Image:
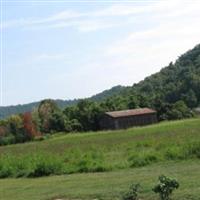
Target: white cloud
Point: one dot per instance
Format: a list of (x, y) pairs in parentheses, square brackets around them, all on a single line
[(98, 19)]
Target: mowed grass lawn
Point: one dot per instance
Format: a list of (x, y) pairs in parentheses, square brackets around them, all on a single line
[(137, 155), (105, 185)]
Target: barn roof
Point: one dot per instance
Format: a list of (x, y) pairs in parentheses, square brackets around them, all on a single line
[(132, 112)]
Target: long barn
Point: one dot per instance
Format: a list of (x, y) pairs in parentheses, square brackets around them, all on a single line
[(128, 118)]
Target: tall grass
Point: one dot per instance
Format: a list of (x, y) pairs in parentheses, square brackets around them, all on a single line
[(40, 164), (44, 164)]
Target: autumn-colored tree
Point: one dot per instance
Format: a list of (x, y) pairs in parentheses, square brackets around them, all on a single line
[(29, 127)]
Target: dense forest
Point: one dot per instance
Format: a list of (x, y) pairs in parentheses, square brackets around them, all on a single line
[(174, 92)]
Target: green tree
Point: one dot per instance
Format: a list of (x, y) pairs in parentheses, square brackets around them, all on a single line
[(57, 121), (16, 128), (132, 102), (190, 99), (179, 110), (46, 110)]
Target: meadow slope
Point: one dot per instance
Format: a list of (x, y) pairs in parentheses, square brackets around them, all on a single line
[(120, 157), (103, 151)]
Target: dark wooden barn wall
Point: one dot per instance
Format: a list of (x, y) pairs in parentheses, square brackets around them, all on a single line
[(128, 121)]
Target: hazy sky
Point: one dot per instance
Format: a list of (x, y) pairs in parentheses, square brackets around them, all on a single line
[(70, 49)]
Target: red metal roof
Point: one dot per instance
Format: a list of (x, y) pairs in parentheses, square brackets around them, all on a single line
[(132, 112)]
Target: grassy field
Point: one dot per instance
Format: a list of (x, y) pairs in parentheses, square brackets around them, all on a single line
[(120, 157), (105, 185), (103, 151)]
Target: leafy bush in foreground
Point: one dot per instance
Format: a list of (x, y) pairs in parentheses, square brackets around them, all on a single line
[(165, 187), (132, 194)]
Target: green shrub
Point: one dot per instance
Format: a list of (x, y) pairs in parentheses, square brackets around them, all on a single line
[(140, 160), (174, 153), (46, 166), (193, 149), (6, 168), (186, 151), (32, 165), (6, 171), (90, 166), (91, 162), (132, 194), (165, 187), (23, 166), (7, 140)]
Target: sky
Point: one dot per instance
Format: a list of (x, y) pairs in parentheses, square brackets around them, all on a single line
[(75, 49)]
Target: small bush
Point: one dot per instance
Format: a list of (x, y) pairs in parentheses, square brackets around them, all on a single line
[(165, 187), (6, 167), (142, 159), (46, 166), (132, 194), (7, 140), (91, 162), (186, 151), (89, 166), (24, 165), (6, 171), (174, 153), (193, 149)]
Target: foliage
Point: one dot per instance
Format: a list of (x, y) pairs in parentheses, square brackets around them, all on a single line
[(165, 187), (7, 111), (29, 126), (142, 159), (46, 110), (179, 110), (87, 113), (46, 165), (15, 127), (132, 194)]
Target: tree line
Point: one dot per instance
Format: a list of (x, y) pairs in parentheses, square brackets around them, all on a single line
[(48, 118)]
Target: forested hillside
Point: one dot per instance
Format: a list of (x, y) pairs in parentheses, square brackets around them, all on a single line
[(173, 92), (177, 82), (6, 111)]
